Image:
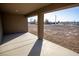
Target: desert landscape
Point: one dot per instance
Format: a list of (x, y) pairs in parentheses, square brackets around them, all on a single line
[(64, 35)]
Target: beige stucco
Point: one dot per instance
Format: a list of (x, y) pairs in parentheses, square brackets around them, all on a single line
[(40, 25), (14, 23)]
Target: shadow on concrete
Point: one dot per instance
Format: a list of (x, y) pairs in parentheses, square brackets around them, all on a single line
[(9, 37), (36, 50)]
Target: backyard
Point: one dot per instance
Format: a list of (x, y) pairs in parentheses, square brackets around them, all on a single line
[(64, 35)]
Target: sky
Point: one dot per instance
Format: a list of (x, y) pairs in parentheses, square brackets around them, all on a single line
[(70, 14)]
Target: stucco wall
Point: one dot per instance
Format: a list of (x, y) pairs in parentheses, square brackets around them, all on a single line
[(0, 29), (14, 23)]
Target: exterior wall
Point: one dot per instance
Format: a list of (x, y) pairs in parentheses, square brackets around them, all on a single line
[(13, 23), (0, 29)]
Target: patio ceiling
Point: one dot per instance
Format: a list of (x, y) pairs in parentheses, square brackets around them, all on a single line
[(21, 8)]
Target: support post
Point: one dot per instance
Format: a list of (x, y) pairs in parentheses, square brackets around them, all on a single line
[(26, 24), (40, 25)]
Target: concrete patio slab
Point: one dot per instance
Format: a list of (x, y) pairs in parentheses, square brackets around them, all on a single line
[(28, 44)]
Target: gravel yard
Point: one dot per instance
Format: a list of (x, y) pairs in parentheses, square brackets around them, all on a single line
[(64, 35)]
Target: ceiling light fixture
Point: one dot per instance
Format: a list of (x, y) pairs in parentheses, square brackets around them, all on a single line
[(16, 10)]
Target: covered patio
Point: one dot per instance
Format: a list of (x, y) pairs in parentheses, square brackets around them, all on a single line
[(18, 41)]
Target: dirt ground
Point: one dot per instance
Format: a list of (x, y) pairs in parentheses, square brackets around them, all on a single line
[(64, 35)]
